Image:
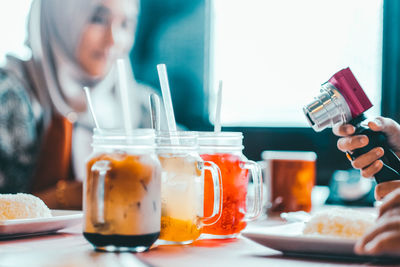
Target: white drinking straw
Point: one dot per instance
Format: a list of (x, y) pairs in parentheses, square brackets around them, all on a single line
[(89, 101), (217, 124), (123, 92), (166, 94)]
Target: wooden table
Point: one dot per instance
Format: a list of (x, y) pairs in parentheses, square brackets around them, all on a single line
[(69, 248)]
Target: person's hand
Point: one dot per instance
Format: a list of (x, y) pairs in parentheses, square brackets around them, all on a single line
[(384, 238), (382, 189), (368, 163)]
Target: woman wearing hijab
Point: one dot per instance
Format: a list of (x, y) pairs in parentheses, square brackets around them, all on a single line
[(45, 129)]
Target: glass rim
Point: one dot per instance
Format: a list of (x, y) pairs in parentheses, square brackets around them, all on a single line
[(143, 138), (212, 134), (176, 140), (168, 134), (117, 132), (220, 141), (288, 155)]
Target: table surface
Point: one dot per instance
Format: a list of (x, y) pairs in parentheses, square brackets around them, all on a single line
[(69, 248)]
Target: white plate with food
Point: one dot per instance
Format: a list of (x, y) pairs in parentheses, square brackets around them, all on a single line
[(289, 238), (21, 227), (332, 232), (24, 214)]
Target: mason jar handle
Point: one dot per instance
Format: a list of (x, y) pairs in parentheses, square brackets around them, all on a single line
[(256, 175), (218, 197), (98, 172)]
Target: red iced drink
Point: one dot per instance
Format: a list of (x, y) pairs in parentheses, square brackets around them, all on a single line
[(235, 182)]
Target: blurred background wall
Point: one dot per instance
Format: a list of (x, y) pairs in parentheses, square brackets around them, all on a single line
[(174, 32)]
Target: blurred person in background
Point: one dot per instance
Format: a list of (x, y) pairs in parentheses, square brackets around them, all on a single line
[(45, 126)]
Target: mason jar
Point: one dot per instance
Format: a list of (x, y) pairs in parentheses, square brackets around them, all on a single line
[(225, 150), (182, 187), (122, 191)]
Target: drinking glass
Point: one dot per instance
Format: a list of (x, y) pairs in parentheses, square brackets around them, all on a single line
[(225, 150), (122, 191), (182, 188), (290, 178)]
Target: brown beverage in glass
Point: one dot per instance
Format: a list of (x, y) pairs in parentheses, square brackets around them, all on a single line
[(291, 178), (122, 193)]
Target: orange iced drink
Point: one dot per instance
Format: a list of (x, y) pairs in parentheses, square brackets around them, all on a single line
[(181, 198)]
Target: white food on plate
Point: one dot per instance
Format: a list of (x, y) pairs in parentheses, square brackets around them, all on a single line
[(340, 222), (22, 206)]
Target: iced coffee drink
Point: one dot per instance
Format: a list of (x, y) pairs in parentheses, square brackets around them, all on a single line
[(122, 200)]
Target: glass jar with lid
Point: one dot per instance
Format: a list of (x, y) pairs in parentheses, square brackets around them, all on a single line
[(225, 150), (182, 188), (122, 191)]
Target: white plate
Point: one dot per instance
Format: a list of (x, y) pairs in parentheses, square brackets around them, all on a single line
[(289, 239), (22, 227)]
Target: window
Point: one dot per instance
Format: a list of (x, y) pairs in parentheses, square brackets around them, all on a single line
[(273, 55), (13, 16)]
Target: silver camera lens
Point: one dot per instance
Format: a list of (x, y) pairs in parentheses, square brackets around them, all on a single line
[(327, 109)]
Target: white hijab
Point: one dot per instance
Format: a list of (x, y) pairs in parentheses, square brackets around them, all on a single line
[(56, 79)]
